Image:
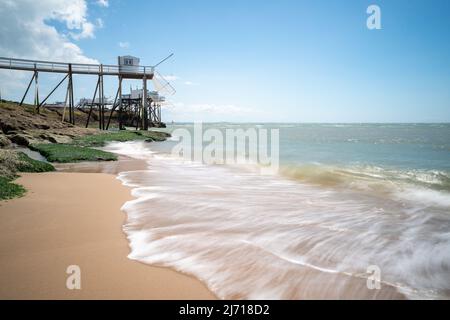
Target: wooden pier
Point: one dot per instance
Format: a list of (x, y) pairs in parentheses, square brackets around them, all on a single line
[(121, 71)]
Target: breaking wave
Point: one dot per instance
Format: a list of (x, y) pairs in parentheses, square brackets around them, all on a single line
[(310, 232)]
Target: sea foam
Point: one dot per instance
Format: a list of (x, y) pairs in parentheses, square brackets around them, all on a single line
[(272, 237)]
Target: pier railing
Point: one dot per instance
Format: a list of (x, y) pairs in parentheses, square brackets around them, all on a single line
[(77, 68)]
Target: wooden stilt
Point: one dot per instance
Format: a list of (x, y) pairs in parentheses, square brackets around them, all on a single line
[(101, 122), (159, 113), (144, 105), (65, 102), (28, 88), (71, 97), (137, 112), (51, 92), (36, 89), (92, 102), (112, 110), (120, 104)]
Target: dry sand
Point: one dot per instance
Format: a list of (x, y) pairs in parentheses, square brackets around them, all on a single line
[(75, 219)]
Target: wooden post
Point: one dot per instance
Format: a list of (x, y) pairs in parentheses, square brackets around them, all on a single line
[(65, 102), (72, 98), (159, 113), (151, 106), (101, 123), (155, 112), (152, 112), (112, 110), (92, 102), (137, 108), (120, 103), (36, 89), (144, 104)]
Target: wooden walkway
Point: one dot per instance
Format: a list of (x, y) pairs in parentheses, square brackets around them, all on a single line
[(126, 72)]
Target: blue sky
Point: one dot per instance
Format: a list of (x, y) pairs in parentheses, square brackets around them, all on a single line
[(281, 61)]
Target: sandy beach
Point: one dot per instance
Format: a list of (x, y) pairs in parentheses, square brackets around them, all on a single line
[(75, 219)]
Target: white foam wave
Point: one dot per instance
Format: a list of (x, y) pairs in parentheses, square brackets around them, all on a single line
[(133, 149), (252, 236), (426, 197)]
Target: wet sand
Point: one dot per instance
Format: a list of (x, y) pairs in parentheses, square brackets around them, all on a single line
[(122, 164), (75, 219)]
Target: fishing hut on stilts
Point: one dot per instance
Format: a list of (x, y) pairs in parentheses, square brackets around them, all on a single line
[(140, 110)]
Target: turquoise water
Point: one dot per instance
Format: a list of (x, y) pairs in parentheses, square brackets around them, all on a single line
[(333, 153), (346, 197), (402, 146), (413, 146)]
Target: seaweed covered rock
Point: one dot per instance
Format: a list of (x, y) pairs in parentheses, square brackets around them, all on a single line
[(12, 161), (23, 139), (9, 160), (55, 138), (4, 141)]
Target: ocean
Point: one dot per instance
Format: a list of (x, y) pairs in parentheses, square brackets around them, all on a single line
[(347, 199)]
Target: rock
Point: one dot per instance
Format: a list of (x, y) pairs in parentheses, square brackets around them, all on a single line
[(20, 139), (8, 125), (43, 126), (55, 138), (23, 125), (12, 132), (23, 139), (4, 141)]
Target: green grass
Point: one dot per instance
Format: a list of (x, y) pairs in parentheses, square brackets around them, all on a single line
[(12, 162), (31, 165), (56, 152), (99, 140), (79, 149), (9, 190)]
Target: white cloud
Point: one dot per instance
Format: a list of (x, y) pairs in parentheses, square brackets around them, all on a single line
[(73, 14), (103, 3), (124, 44), (86, 32), (26, 32)]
